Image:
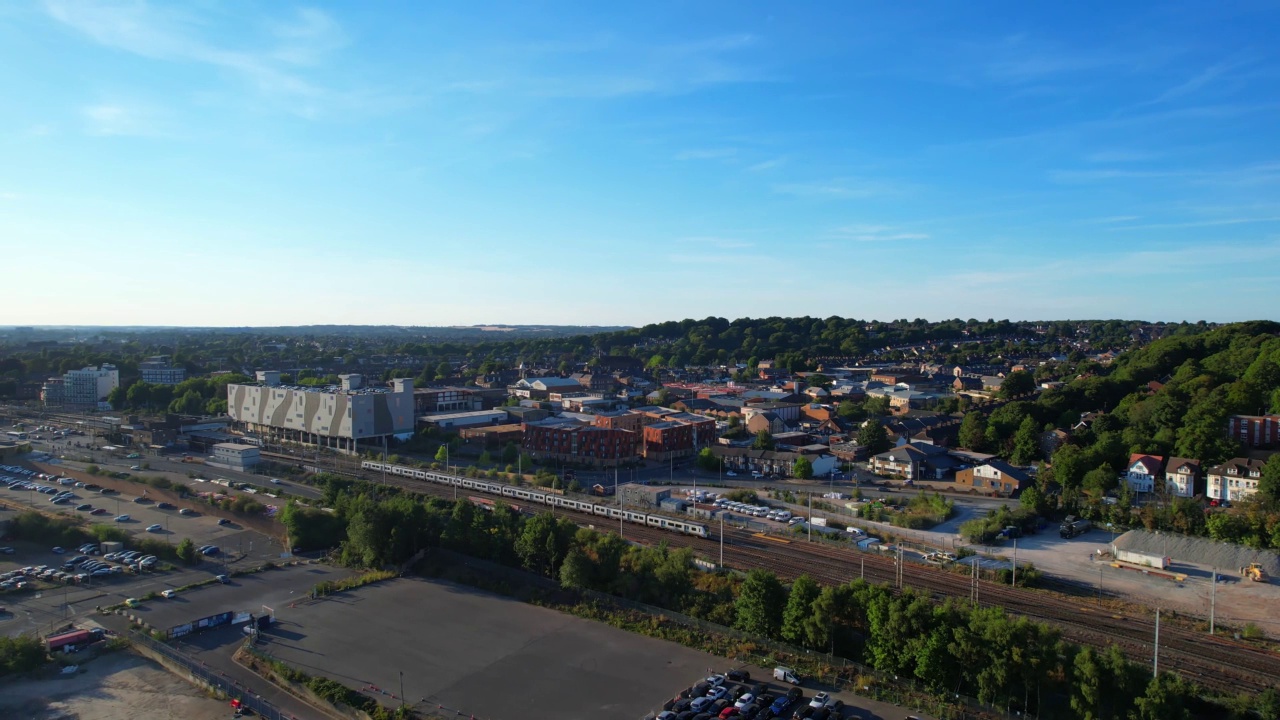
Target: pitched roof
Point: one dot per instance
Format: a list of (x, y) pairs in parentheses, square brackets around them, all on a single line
[(1008, 470), (1150, 463), (1176, 463)]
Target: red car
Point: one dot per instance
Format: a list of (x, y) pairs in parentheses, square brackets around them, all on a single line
[(729, 712), (99, 511)]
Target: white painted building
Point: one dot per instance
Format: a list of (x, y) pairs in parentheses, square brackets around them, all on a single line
[(237, 456)]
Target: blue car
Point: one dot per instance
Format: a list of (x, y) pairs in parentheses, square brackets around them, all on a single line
[(779, 705)]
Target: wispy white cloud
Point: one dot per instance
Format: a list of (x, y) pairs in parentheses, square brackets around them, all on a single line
[(841, 188), (707, 154), (1121, 156), (1201, 223), (876, 233), (120, 119), (767, 165), (610, 66), (1111, 220), (168, 33), (1206, 77)]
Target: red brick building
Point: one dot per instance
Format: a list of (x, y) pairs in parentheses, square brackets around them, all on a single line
[(1254, 430), (571, 441)]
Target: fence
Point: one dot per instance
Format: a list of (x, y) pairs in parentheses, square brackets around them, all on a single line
[(212, 678)]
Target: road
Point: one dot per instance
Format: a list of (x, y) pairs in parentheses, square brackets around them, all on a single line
[(73, 452)]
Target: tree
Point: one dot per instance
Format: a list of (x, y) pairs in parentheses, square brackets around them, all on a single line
[(973, 431), (1033, 499), (1165, 699), (707, 460), (763, 441), (542, 544), (1026, 442), (576, 571), (874, 437), (1086, 686), (802, 468), (804, 591), (1100, 481), (1017, 384), (510, 453), (760, 603), (443, 370), (442, 453), (187, 551), (847, 409), (1269, 484)]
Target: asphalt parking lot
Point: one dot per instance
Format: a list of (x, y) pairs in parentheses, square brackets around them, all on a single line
[(203, 529), (481, 654)]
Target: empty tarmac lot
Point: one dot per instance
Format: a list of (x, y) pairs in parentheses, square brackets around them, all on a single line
[(482, 654)]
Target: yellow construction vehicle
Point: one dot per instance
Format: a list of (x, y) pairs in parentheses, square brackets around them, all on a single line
[(1254, 572)]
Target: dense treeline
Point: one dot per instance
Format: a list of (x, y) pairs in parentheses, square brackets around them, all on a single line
[(795, 343), (948, 648), (1170, 398)]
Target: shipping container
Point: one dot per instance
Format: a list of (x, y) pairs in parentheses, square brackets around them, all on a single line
[(1150, 560)]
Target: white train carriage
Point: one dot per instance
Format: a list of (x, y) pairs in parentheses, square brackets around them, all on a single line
[(551, 499)]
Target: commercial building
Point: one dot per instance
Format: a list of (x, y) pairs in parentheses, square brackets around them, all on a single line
[(86, 388), (340, 417), (456, 421), (158, 371), (446, 399), (236, 456)]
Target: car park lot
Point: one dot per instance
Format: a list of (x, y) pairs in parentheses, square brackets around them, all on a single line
[(456, 644), (750, 693), (135, 512), (43, 604)]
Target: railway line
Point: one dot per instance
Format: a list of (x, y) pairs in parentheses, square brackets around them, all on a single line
[(1213, 662)]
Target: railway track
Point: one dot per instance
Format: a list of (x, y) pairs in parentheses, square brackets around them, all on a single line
[(1213, 662)]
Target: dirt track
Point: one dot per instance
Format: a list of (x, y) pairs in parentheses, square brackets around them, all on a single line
[(118, 686)]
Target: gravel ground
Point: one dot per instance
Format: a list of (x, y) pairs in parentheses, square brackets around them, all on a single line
[(118, 686), (1199, 551)]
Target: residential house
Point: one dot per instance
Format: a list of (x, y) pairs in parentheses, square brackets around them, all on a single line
[(1142, 472), (915, 461), (776, 463), (767, 420), (1051, 440), (1235, 479), (1254, 430), (994, 476), (541, 388), (1182, 477), (991, 383)]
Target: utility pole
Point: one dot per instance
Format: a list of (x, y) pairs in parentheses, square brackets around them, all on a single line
[(810, 517), (617, 493), (1155, 663), (1015, 563), (1099, 584), (1213, 597), (862, 570), (722, 539)]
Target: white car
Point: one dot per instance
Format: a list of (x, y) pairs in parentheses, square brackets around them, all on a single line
[(745, 700), (169, 593), (154, 528), (716, 693), (820, 700), (730, 473), (715, 680), (122, 518), (700, 704)]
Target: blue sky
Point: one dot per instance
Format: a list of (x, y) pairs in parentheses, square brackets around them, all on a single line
[(608, 163)]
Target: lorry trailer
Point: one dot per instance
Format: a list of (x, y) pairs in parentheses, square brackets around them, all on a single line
[(1150, 560), (1073, 526)]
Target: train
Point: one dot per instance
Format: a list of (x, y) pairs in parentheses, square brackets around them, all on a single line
[(662, 522)]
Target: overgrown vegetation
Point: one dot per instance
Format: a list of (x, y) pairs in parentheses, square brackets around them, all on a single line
[(21, 654)]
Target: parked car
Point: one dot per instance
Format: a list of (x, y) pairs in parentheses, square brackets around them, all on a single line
[(819, 700), (738, 675), (58, 551), (99, 511), (84, 507), (155, 528), (222, 579), (169, 593), (186, 511), (122, 518), (164, 506), (223, 521)]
